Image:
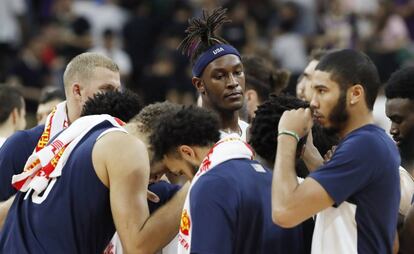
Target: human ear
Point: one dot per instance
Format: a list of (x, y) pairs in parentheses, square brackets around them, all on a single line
[(198, 84), (356, 94), (251, 95), (186, 152), (76, 91)]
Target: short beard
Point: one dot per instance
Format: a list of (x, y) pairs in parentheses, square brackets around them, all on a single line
[(406, 148), (338, 116)]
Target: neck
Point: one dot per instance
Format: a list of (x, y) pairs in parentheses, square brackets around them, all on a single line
[(357, 119), (6, 129), (72, 112), (264, 162), (408, 164), (230, 122), (201, 153)]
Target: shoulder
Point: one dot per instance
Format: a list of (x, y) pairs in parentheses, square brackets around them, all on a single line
[(32, 134), (119, 143), (368, 140), (120, 155), (210, 185), (236, 168), (23, 140), (369, 133)]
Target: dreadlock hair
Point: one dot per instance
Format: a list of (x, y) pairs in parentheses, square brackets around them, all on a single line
[(263, 130), (123, 105), (263, 77), (201, 33), (191, 125), (400, 84)]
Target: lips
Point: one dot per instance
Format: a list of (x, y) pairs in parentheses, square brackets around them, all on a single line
[(317, 117), (397, 140), (233, 95)]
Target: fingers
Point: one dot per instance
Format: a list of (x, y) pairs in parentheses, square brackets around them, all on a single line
[(151, 196)]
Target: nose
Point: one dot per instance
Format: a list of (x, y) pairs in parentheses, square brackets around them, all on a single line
[(394, 129), (232, 81), (314, 103)]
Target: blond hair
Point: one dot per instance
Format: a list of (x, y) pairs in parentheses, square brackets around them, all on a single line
[(82, 66)]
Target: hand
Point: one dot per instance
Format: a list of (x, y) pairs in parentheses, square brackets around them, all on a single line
[(296, 120), (151, 196)]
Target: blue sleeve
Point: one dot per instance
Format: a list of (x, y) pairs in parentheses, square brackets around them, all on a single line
[(213, 204), (351, 168), (13, 156), (165, 191)]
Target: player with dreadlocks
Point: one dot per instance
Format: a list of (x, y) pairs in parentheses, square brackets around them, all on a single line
[(217, 70)]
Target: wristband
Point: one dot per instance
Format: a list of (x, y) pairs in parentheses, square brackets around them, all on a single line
[(289, 133)]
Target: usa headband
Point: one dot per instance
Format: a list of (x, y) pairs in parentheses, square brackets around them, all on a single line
[(211, 54)]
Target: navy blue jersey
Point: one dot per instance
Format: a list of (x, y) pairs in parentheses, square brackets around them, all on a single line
[(165, 191), (231, 212), (13, 155), (74, 216), (362, 178)]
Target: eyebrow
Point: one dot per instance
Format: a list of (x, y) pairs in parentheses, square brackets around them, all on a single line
[(319, 86)]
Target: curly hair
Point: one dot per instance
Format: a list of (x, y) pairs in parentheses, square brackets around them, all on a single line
[(263, 130), (191, 125), (150, 115), (123, 105), (263, 77), (201, 33), (400, 84)]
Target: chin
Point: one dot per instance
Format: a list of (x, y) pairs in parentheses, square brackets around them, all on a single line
[(236, 106)]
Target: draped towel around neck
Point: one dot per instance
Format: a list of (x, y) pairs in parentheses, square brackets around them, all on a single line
[(229, 148), (47, 163)]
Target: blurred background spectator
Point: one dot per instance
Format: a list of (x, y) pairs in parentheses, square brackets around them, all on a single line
[(49, 98), (39, 37)]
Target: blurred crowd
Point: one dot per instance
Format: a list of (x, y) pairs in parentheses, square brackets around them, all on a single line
[(39, 37)]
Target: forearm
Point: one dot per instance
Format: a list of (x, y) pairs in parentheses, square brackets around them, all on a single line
[(312, 158), (4, 209), (284, 177), (163, 225)]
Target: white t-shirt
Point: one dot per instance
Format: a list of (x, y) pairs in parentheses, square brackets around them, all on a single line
[(243, 127), (2, 140), (407, 191)]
